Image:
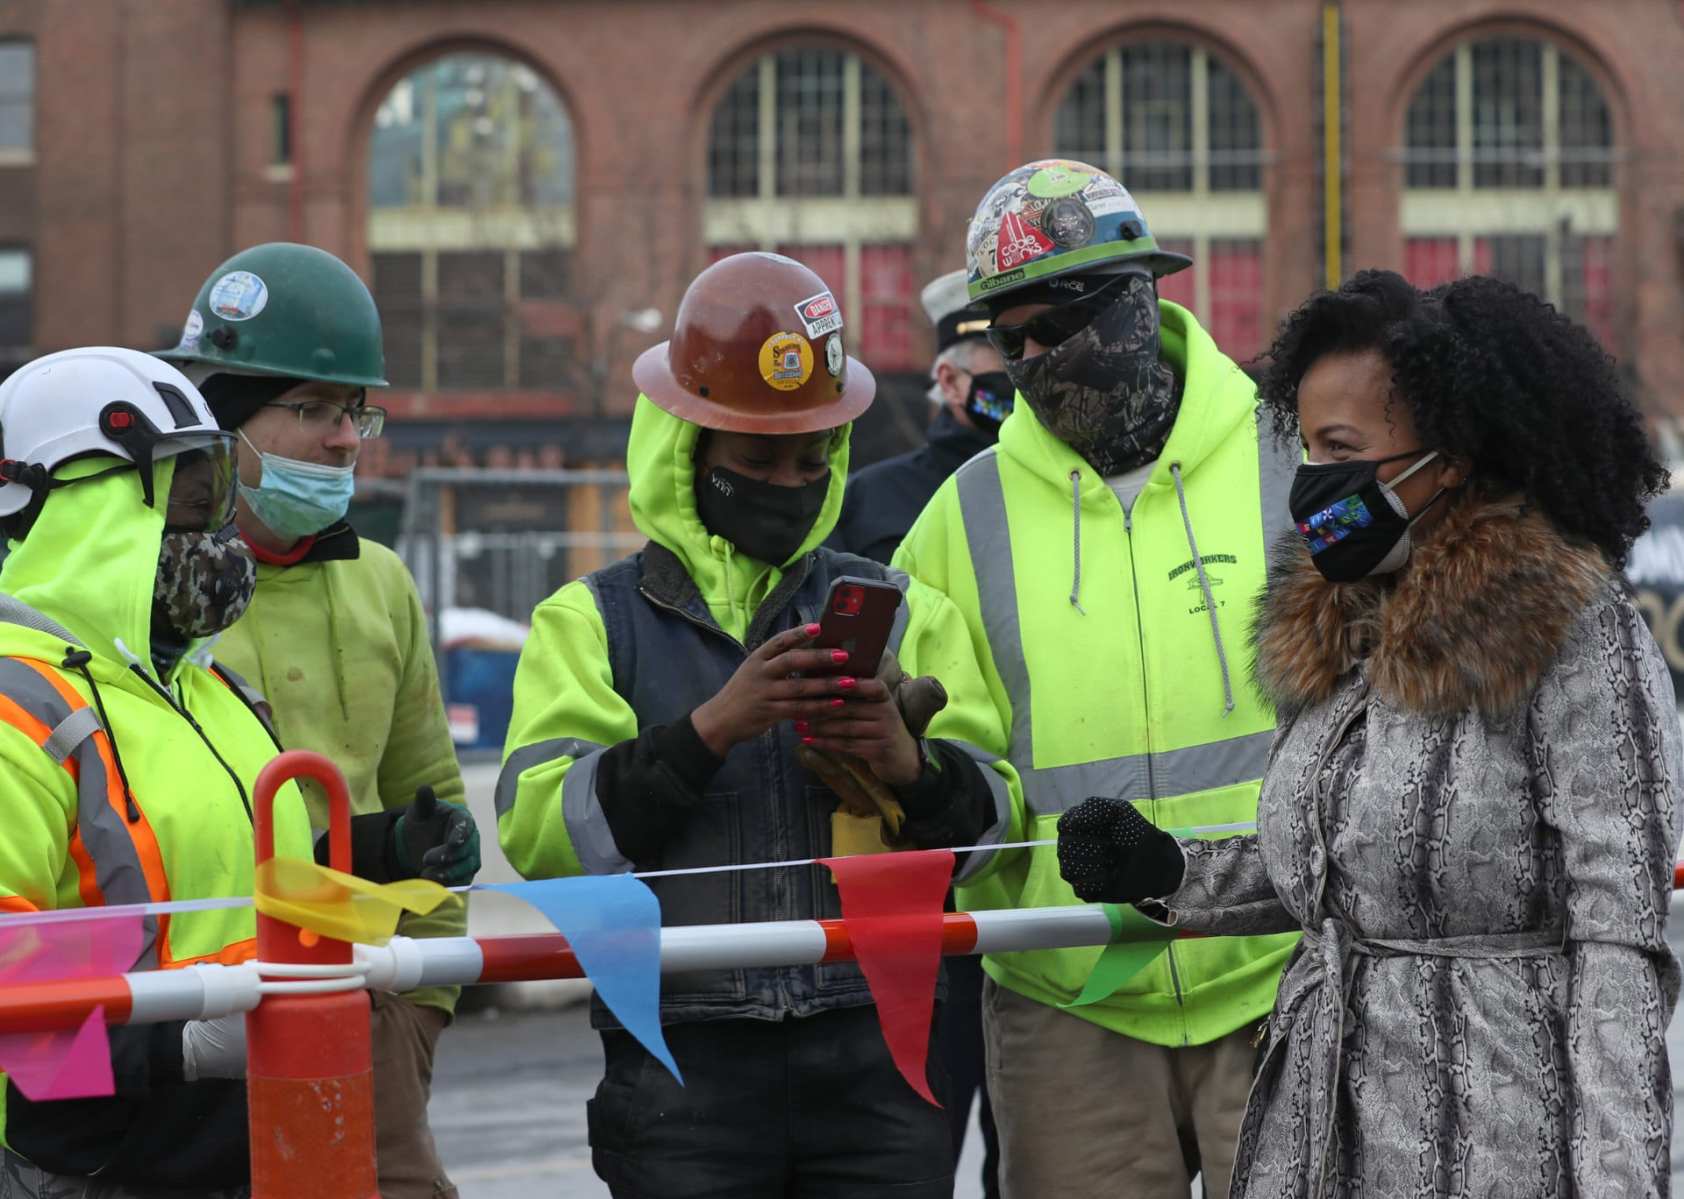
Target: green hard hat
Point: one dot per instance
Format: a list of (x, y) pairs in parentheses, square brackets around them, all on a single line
[(285, 309)]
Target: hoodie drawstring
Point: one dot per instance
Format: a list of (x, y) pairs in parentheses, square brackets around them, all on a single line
[(1076, 506), (77, 660), (1204, 585)]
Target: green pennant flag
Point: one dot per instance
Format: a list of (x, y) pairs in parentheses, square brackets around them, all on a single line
[(1127, 955)]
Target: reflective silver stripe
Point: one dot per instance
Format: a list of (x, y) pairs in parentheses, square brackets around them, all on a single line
[(1277, 462), (903, 614), (71, 732), (15, 611), (982, 504), (996, 832), (528, 756), (587, 826), (1188, 771), (105, 835), (1055, 789)]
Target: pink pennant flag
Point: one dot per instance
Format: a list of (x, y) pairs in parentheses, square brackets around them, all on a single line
[(64, 1064), (891, 907)]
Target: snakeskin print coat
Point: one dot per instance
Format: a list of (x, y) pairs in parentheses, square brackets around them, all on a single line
[(1470, 811)]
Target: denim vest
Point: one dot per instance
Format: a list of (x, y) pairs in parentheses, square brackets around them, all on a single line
[(668, 656)]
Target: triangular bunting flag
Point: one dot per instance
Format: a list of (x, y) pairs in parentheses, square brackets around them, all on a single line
[(1135, 942), (341, 906), (67, 1064), (891, 907), (612, 923)]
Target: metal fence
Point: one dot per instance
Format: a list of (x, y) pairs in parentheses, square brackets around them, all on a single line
[(504, 540)]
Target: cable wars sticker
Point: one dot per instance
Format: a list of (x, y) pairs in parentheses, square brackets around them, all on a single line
[(786, 360), (819, 315)]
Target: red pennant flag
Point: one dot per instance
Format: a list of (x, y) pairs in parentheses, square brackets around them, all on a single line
[(892, 909)]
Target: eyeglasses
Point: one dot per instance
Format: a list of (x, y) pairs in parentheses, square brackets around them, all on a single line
[(1056, 325), (321, 416)]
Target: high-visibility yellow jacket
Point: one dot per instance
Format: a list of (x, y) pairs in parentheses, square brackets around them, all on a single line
[(1112, 678)]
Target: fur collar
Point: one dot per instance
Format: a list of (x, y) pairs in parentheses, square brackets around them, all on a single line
[(1479, 615)]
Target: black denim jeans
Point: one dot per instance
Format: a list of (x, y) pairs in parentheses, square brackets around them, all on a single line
[(808, 1108)]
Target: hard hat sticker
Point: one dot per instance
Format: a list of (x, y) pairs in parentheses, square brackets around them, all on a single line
[(834, 358), (191, 329), (1068, 222), (819, 315), (786, 361), (238, 296), (1017, 243), (1056, 180)]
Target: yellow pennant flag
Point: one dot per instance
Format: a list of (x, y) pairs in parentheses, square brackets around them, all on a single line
[(341, 906)]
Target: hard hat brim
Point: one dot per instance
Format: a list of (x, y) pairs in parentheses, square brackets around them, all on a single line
[(652, 372), (175, 354)]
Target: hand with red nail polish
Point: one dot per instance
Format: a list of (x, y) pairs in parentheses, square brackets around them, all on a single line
[(769, 688)]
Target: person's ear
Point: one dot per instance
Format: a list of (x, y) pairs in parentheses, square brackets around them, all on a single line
[(947, 378), (1452, 472)]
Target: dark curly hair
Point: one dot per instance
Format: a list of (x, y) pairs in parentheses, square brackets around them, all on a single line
[(1497, 378)]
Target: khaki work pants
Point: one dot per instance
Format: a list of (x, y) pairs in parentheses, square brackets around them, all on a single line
[(405, 1036), (1086, 1113)]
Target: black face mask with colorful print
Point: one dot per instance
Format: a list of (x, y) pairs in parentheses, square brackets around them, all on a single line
[(1353, 524)]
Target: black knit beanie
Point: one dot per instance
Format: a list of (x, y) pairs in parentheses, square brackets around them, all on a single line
[(234, 399)]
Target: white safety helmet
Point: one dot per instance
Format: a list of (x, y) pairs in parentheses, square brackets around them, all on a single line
[(90, 401)]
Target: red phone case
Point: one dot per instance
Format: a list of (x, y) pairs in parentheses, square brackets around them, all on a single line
[(858, 616)]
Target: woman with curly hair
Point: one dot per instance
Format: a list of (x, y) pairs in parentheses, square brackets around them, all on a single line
[(1472, 801)]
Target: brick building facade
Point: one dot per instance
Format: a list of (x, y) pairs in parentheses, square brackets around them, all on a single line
[(528, 184)]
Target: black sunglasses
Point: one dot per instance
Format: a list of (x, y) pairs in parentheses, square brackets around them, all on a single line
[(1054, 326)]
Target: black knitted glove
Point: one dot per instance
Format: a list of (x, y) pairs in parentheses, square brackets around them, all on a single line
[(1110, 853)]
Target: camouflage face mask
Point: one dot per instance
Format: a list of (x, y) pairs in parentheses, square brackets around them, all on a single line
[(1103, 391), (204, 582)]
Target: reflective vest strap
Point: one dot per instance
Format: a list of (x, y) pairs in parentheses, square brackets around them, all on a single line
[(118, 860), (16, 903), (982, 507)]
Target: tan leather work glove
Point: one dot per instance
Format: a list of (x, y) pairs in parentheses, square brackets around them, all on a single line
[(869, 817)]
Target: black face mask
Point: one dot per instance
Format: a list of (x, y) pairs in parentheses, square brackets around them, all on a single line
[(1353, 524), (989, 401), (763, 520)]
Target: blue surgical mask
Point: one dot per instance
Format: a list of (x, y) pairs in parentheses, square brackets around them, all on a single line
[(296, 499)]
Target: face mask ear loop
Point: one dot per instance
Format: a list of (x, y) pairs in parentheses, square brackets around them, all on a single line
[(1392, 485)]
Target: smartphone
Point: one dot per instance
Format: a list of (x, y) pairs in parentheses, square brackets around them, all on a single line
[(858, 616)]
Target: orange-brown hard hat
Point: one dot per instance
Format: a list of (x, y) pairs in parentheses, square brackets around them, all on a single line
[(757, 348)]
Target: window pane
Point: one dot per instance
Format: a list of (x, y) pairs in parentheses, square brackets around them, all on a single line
[(544, 274), (397, 293), (1517, 257), (885, 139), (1430, 135), (887, 341), (1079, 125), (1179, 287), (545, 362), (1586, 284), (734, 140), (1157, 118), (1429, 261), (17, 95), (471, 131), (1508, 113), (1236, 296), (471, 319), (809, 122), (1236, 140), (1587, 130), (15, 296)]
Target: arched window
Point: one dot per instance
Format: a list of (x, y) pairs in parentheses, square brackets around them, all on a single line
[(471, 227), (810, 154), (1508, 170), (1181, 132)]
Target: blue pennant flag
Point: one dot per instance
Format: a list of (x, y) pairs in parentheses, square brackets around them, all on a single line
[(612, 922)]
